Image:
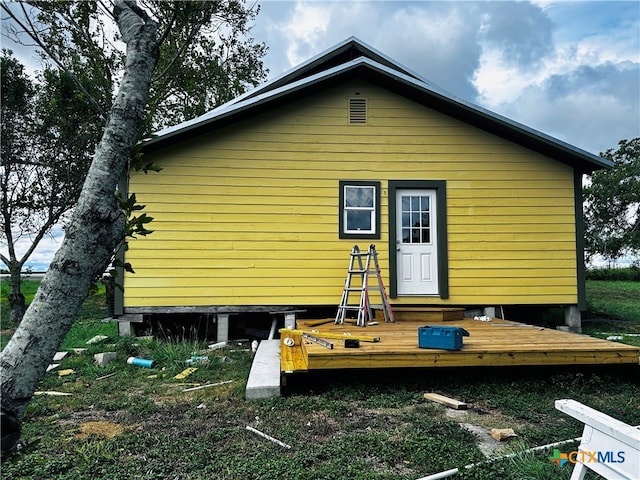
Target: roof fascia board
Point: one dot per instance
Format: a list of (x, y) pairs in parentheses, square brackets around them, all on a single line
[(430, 94), (365, 50)]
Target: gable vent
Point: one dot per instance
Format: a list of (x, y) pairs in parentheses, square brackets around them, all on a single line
[(357, 110)]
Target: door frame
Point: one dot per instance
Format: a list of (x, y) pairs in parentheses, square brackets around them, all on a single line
[(440, 187)]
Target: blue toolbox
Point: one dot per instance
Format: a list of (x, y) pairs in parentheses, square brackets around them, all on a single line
[(446, 338)]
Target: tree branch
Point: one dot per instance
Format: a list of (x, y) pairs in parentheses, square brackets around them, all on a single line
[(34, 36), (51, 221), (170, 25)]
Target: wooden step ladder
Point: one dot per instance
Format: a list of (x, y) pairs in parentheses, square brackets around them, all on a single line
[(367, 263)]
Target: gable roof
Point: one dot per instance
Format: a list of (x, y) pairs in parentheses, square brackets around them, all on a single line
[(352, 58)]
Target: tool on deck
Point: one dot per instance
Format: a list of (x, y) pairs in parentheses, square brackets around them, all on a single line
[(331, 335), (319, 341), (352, 344), (363, 269)]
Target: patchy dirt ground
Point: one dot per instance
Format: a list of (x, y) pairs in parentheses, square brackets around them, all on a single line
[(480, 422), (100, 429)]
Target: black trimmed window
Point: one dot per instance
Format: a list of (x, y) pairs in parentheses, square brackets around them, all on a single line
[(359, 209)]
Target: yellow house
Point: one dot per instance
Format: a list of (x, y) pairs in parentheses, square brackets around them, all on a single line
[(260, 201)]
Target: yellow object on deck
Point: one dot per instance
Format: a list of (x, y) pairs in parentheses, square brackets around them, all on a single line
[(333, 336), (293, 354)]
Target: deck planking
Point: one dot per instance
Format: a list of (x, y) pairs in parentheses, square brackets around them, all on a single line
[(496, 343)]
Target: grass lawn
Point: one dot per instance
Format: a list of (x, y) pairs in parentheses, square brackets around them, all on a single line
[(122, 421), (87, 323), (614, 310)]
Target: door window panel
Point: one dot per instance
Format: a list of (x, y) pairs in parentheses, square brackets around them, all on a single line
[(416, 219)]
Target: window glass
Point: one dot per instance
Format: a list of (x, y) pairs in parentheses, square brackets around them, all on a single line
[(359, 208), (416, 219), (359, 197), (358, 221)]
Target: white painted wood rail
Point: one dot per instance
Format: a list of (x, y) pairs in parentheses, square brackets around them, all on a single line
[(609, 447)]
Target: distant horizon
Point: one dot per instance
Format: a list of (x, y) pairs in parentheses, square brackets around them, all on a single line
[(600, 263)]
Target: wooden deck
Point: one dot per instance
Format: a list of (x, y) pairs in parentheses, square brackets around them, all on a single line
[(495, 343)]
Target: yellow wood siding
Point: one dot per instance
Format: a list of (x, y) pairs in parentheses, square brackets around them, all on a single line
[(248, 214)]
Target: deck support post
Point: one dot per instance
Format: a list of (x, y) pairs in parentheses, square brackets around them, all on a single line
[(125, 324), (490, 312), (124, 329), (573, 318), (289, 317), (290, 320), (223, 327)]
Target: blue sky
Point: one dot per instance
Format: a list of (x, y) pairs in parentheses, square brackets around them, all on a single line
[(569, 69)]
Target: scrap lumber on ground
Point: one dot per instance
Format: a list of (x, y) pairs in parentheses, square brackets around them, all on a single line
[(449, 402)]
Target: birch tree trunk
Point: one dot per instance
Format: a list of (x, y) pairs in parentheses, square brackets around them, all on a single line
[(96, 228)]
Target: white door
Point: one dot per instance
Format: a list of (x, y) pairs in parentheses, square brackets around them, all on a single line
[(416, 242)]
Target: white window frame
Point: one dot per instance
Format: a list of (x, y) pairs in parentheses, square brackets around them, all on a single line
[(373, 210)]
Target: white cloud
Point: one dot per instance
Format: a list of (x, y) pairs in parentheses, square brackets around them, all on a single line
[(442, 28), (42, 256), (498, 82), (585, 90), (594, 120), (307, 25), (435, 40), (44, 252)]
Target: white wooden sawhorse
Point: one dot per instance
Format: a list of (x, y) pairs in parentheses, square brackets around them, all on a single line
[(609, 447)]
